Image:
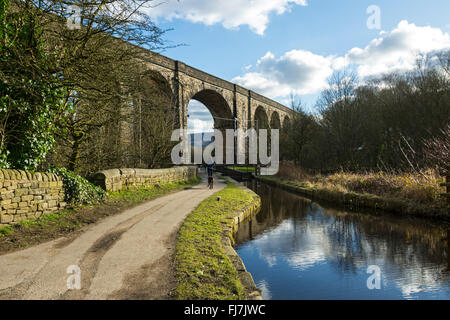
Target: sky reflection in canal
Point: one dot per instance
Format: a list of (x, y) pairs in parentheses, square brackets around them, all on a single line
[(296, 249)]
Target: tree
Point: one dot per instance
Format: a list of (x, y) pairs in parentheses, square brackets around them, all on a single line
[(437, 151), (379, 124), (299, 133), (31, 95), (341, 120), (87, 72)]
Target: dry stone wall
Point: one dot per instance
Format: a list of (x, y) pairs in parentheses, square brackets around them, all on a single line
[(27, 195), (118, 179)]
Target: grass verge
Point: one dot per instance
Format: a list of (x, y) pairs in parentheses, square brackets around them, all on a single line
[(203, 270), (243, 169), (52, 226)]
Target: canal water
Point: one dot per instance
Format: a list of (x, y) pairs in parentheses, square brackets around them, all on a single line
[(298, 249)]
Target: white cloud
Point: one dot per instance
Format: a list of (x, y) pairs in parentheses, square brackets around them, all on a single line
[(198, 126), (200, 119), (231, 13), (397, 49), (297, 71), (303, 72)]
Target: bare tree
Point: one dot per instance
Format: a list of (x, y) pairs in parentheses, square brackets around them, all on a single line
[(437, 151)]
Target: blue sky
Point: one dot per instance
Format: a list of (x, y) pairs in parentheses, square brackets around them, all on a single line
[(275, 47)]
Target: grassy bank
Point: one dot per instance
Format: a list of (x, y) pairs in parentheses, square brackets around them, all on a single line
[(243, 169), (203, 269), (52, 226), (407, 194)]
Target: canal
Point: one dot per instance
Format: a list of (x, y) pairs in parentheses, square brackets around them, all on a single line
[(299, 249)]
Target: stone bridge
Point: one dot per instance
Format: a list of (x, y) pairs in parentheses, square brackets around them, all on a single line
[(231, 105)]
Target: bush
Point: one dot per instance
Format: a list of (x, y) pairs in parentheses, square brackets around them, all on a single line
[(77, 189), (291, 171), (437, 151)]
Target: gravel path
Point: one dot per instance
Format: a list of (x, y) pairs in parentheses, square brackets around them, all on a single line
[(125, 256)]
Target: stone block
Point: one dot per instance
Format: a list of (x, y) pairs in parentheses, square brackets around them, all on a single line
[(4, 202), (27, 198), (43, 184), (10, 206), (37, 176), (23, 175), (52, 203), (12, 175), (5, 174), (20, 192), (5, 218), (23, 204), (7, 195)]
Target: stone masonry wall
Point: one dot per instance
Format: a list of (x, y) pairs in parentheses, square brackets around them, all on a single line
[(26, 195), (118, 179)]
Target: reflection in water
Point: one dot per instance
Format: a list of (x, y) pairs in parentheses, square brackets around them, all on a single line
[(296, 249)]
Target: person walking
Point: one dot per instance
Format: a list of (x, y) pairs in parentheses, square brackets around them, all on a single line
[(210, 170)]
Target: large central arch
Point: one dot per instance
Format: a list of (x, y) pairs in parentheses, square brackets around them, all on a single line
[(221, 113), (218, 106)]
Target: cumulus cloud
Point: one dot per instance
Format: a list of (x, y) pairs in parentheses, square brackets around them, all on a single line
[(200, 119), (198, 126), (231, 13), (297, 71), (303, 72), (398, 49)]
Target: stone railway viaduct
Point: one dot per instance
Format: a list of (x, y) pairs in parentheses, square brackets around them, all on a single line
[(231, 105)]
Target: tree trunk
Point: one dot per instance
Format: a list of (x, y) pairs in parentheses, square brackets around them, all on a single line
[(77, 137)]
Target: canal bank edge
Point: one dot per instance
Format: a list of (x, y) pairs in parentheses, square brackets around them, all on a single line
[(206, 266), (355, 201), (230, 226)]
